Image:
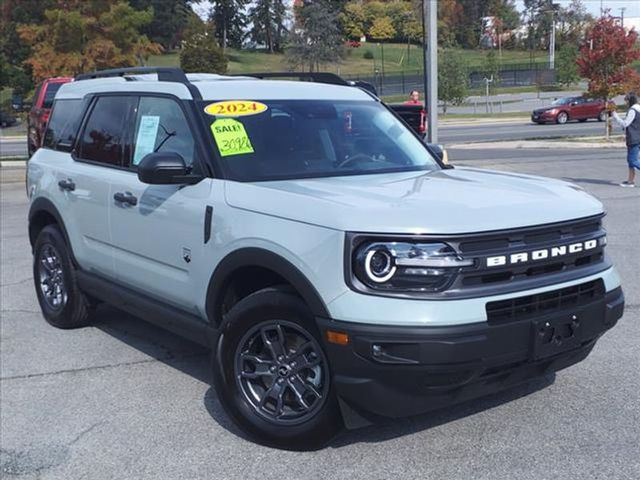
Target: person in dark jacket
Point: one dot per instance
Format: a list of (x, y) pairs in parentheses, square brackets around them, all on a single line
[(631, 125)]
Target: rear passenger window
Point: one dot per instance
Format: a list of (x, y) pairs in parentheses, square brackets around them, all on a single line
[(104, 138), (161, 127), (63, 125)]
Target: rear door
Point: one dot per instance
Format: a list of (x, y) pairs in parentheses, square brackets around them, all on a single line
[(594, 107), (579, 108), (158, 241)]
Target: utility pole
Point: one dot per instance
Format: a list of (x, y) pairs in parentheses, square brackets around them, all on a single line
[(552, 40), (430, 30), (622, 9)]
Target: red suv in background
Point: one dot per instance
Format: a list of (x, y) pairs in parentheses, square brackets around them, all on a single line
[(571, 108), (39, 113)]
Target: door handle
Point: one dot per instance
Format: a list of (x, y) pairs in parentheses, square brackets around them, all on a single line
[(126, 197), (67, 185)]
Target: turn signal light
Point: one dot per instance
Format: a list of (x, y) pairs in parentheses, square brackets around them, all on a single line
[(338, 338)]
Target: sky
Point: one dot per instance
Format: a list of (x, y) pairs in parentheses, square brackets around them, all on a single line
[(632, 7)]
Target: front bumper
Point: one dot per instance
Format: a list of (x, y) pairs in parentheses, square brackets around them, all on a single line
[(395, 371)]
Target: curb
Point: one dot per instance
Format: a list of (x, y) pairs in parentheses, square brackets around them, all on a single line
[(13, 164), (11, 138), (536, 144)]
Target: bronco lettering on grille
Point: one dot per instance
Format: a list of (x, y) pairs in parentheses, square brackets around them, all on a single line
[(542, 254)]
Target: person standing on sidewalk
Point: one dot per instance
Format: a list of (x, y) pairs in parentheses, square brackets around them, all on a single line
[(631, 125)]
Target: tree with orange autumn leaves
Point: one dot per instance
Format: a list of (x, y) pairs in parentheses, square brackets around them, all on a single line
[(605, 58), (80, 36)]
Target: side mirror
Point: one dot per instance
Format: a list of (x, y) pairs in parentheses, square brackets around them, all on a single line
[(439, 151), (165, 168), (573, 104)]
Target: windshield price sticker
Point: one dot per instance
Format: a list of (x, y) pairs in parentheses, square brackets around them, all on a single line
[(231, 137), (235, 108)]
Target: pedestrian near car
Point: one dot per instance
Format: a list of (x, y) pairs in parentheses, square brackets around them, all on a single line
[(631, 126), (414, 98)]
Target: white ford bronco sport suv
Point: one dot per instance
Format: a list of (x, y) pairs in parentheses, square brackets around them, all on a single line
[(338, 269)]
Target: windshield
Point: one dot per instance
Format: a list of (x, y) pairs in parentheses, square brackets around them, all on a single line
[(285, 139), (562, 101)]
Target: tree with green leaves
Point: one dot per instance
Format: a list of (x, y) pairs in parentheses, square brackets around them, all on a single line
[(268, 23), (491, 70), (353, 20), (230, 20), (567, 68), (200, 51), (14, 72), (85, 36), (317, 39), (572, 22), (453, 81), (382, 29), (170, 18)]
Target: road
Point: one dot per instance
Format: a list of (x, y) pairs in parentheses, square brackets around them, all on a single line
[(448, 134), (13, 147), (123, 399), (515, 130)]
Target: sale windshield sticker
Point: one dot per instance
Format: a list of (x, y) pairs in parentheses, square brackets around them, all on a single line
[(235, 108), (231, 137)]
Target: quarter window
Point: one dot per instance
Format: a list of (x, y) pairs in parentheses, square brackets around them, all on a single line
[(104, 138), (63, 125), (161, 127)]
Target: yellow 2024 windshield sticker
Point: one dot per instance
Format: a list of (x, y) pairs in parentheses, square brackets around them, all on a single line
[(235, 108), (231, 137)]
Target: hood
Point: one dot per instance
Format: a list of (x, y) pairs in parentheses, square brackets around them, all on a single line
[(452, 201)]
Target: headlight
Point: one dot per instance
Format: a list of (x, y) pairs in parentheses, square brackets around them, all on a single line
[(407, 266)]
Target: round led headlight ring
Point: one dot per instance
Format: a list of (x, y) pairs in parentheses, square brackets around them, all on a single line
[(379, 265)]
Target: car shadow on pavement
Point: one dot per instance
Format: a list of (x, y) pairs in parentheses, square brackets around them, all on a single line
[(193, 359), (593, 181), (166, 347)]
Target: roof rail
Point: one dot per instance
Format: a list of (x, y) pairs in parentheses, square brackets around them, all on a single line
[(318, 77), (165, 74)]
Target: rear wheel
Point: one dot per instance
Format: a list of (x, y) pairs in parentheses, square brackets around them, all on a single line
[(602, 116), (562, 118), (63, 304), (272, 375)]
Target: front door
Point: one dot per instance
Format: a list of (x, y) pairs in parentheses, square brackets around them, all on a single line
[(158, 237)]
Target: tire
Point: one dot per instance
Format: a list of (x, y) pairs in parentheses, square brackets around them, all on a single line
[(562, 118), (63, 304), (270, 406), (602, 116)]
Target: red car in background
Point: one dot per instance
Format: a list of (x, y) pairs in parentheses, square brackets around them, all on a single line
[(40, 110), (564, 109)]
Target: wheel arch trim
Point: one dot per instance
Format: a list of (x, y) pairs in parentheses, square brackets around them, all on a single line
[(259, 257), (45, 205)]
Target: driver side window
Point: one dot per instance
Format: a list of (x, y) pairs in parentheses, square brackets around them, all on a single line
[(161, 126)]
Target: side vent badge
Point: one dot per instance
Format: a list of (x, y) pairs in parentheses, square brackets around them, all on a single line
[(186, 254)]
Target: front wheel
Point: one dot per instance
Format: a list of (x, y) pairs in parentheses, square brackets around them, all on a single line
[(272, 375), (562, 118), (602, 116)]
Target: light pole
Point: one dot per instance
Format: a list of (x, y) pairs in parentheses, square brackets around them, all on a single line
[(430, 30), (552, 41)]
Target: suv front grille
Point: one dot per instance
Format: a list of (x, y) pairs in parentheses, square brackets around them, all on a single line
[(522, 308), (482, 247)]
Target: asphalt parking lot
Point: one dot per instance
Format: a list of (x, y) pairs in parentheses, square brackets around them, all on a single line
[(123, 399)]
